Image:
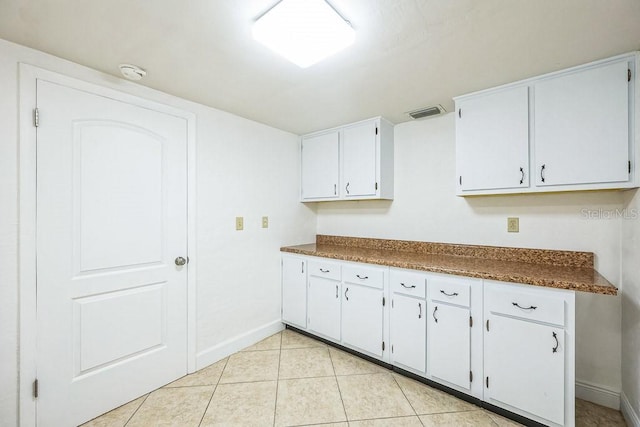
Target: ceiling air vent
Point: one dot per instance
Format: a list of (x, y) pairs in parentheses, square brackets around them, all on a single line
[(426, 112)]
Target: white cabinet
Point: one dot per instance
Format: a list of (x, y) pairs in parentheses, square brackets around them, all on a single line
[(324, 299), (294, 290), (320, 165), (351, 162), (582, 127), (492, 140), (529, 352), (408, 330), (570, 130), (363, 308), (454, 349)]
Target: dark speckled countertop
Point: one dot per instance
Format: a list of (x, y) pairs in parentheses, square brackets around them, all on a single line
[(539, 267)]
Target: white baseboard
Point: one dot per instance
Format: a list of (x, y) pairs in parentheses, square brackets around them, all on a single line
[(630, 415), (220, 351), (598, 394)]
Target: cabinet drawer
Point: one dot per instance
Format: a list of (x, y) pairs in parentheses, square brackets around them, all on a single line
[(408, 283), (452, 290), (526, 304), (363, 275), (326, 269)]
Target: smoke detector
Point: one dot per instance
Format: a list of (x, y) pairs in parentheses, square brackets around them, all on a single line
[(132, 72), (426, 112)]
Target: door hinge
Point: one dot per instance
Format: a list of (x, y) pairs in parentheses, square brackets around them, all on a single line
[(391, 348), (628, 74), (35, 388), (382, 345), (376, 185), (391, 303), (470, 376), (471, 321), (460, 179), (376, 130), (487, 382), (629, 166), (36, 117), (460, 112), (384, 301), (487, 325)]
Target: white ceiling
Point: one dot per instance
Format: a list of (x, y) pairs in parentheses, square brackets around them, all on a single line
[(408, 53)]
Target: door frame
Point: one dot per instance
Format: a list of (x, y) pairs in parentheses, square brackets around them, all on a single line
[(108, 87)]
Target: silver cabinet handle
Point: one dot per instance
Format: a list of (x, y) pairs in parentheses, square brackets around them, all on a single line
[(180, 261), (434, 314), (542, 172), (345, 294), (408, 287), (420, 310), (455, 294), (323, 271), (337, 291), (362, 277), (347, 188)]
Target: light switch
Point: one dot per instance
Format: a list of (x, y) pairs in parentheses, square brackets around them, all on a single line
[(265, 222), (239, 223)]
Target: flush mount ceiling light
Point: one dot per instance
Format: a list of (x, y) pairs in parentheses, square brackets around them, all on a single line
[(303, 31)]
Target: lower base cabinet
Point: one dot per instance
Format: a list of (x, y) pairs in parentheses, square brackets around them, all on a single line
[(408, 333), (362, 317), (510, 345), (324, 307), (528, 352)]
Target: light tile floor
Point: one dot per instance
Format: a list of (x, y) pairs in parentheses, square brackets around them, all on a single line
[(289, 379)]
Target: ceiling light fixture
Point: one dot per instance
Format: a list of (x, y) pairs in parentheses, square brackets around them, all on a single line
[(303, 31)]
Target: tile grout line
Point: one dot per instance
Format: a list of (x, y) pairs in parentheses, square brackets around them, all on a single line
[(215, 387), (335, 377), (137, 409), (405, 396), (275, 403)]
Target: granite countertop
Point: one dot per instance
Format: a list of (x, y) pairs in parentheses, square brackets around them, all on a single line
[(539, 267)]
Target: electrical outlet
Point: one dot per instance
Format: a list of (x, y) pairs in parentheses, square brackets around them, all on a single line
[(265, 222), (239, 223), (513, 225)]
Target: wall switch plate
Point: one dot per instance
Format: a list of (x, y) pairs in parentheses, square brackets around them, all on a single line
[(239, 223), (513, 225), (265, 222)]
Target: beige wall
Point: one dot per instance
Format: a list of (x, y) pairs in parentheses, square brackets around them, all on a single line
[(426, 208)]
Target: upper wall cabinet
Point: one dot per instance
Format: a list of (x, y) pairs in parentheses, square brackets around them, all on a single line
[(352, 162), (570, 130)]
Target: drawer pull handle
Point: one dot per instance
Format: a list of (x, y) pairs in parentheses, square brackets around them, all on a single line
[(323, 271), (362, 277), (531, 307), (420, 312), (455, 294), (434, 314), (345, 294), (408, 287), (555, 337)]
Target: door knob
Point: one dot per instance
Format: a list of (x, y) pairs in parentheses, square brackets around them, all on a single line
[(180, 261)]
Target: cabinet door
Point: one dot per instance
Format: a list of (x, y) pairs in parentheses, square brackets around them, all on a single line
[(320, 166), (294, 291), (524, 366), (362, 314), (582, 127), (492, 140), (408, 332), (324, 307), (449, 349), (359, 159)]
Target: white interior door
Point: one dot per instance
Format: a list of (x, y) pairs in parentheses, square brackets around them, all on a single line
[(111, 220)]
